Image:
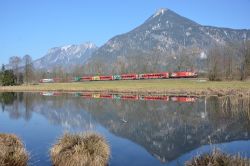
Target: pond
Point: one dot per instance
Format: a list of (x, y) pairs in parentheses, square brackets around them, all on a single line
[(141, 130)]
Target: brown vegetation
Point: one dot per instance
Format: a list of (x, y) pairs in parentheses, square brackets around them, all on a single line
[(230, 62), (80, 150), (217, 158), (12, 151)]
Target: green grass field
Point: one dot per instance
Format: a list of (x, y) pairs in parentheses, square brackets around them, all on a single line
[(180, 86)]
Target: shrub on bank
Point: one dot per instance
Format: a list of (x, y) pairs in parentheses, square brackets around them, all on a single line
[(12, 151), (80, 149), (217, 158)]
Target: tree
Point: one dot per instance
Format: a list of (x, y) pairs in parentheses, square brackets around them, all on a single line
[(214, 64), (228, 58), (14, 61), (8, 78), (3, 68), (244, 67), (2, 73), (28, 69), (230, 61)]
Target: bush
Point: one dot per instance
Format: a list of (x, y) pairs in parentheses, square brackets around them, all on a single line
[(217, 158), (80, 149), (12, 152)]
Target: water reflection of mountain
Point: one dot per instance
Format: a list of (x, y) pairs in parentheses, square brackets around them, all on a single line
[(62, 110), (168, 130), (165, 129)]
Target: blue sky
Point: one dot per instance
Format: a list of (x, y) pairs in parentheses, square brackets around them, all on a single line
[(33, 26)]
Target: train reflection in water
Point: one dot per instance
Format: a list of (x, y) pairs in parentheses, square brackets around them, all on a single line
[(182, 99)]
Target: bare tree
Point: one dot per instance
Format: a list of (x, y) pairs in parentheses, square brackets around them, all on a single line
[(28, 69), (15, 61), (244, 67), (214, 62), (228, 53), (77, 70)]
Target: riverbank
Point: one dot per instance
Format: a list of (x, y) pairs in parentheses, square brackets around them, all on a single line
[(185, 87)]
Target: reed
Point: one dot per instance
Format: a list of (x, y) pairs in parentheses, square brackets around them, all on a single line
[(217, 158), (12, 151), (80, 150)]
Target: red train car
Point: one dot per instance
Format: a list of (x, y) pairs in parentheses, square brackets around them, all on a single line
[(106, 96), (106, 78), (86, 95), (183, 99), (154, 75), (130, 97), (165, 98), (86, 78), (129, 76), (183, 74)]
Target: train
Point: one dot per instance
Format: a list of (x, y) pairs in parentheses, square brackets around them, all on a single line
[(131, 76)]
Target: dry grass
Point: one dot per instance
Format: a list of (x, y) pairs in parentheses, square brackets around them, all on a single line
[(217, 158), (175, 86), (12, 151), (235, 106), (80, 150)]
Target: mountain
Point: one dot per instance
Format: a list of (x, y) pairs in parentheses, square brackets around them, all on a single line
[(166, 34), (66, 56), (166, 41)]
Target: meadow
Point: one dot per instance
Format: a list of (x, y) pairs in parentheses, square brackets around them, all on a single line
[(157, 86)]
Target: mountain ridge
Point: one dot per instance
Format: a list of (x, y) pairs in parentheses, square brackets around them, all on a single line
[(164, 36), (65, 56)]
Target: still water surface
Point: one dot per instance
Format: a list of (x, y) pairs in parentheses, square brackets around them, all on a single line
[(164, 131)]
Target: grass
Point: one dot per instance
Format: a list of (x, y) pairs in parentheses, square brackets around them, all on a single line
[(80, 150), (217, 158), (177, 86), (12, 151)]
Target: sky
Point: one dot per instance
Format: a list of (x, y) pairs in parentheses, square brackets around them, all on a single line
[(34, 26)]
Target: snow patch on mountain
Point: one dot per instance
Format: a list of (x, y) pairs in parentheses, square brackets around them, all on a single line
[(66, 47), (66, 56), (159, 12)]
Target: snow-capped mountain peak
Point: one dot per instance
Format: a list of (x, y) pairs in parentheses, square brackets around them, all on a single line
[(68, 55), (160, 12)]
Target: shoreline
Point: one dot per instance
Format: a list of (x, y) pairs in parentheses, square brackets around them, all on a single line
[(208, 92), (149, 87)]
